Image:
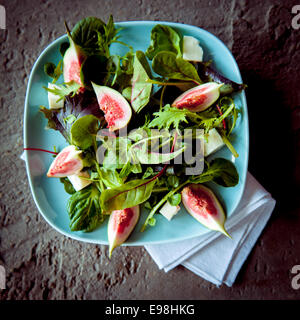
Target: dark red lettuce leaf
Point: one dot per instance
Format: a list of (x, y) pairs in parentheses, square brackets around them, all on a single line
[(79, 105)]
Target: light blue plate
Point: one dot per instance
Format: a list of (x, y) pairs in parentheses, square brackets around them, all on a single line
[(49, 194)]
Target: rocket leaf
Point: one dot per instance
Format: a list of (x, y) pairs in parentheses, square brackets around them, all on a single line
[(63, 90)]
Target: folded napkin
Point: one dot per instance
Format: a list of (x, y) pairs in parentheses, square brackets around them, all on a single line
[(213, 256)]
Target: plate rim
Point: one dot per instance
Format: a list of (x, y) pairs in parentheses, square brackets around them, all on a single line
[(25, 129)]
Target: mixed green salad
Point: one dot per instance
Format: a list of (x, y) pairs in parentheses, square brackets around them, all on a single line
[(120, 113)]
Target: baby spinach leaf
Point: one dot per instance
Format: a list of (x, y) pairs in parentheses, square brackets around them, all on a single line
[(163, 38), (83, 131), (128, 195), (110, 178), (228, 175), (168, 65), (220, 171), (141, 89), (84, 210)]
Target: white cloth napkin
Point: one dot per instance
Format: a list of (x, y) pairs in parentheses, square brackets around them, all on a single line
[(213, 256)]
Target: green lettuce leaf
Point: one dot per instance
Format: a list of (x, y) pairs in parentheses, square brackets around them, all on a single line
[(168, 65), (83, 131), (163, 38)]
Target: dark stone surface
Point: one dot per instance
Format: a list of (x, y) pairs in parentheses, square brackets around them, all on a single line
[(42, 264)]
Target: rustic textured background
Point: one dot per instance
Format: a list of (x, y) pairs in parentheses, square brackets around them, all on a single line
[(42, 264)]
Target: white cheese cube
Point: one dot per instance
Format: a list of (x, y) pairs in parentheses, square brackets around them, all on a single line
[(191, 49), (169, 211), (78, 182), (52, 98), (213, 142)]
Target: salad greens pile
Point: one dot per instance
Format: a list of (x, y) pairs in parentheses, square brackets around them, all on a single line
[(150, 81)]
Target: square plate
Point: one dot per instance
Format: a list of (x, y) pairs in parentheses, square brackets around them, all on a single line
[(49, 194)]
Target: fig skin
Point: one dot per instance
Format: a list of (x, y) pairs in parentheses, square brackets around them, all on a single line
[(116, 108), (120, 225), (66, 163), (198, 98), (202, 204)]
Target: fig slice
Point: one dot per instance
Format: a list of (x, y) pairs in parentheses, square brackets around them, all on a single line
[(116, 108), (198, 98), (72, 61), (120, 225), (66, 163), (202, 204)]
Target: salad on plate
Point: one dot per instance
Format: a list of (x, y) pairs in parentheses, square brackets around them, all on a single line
[(140, 129)]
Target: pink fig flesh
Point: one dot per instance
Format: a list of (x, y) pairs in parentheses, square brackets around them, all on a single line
[(115, 107), (120, 225), (198, 98), (73, 59), (66, 163), (202, 204)]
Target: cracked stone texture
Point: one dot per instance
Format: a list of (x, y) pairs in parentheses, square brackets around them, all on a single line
[(42, 264)]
